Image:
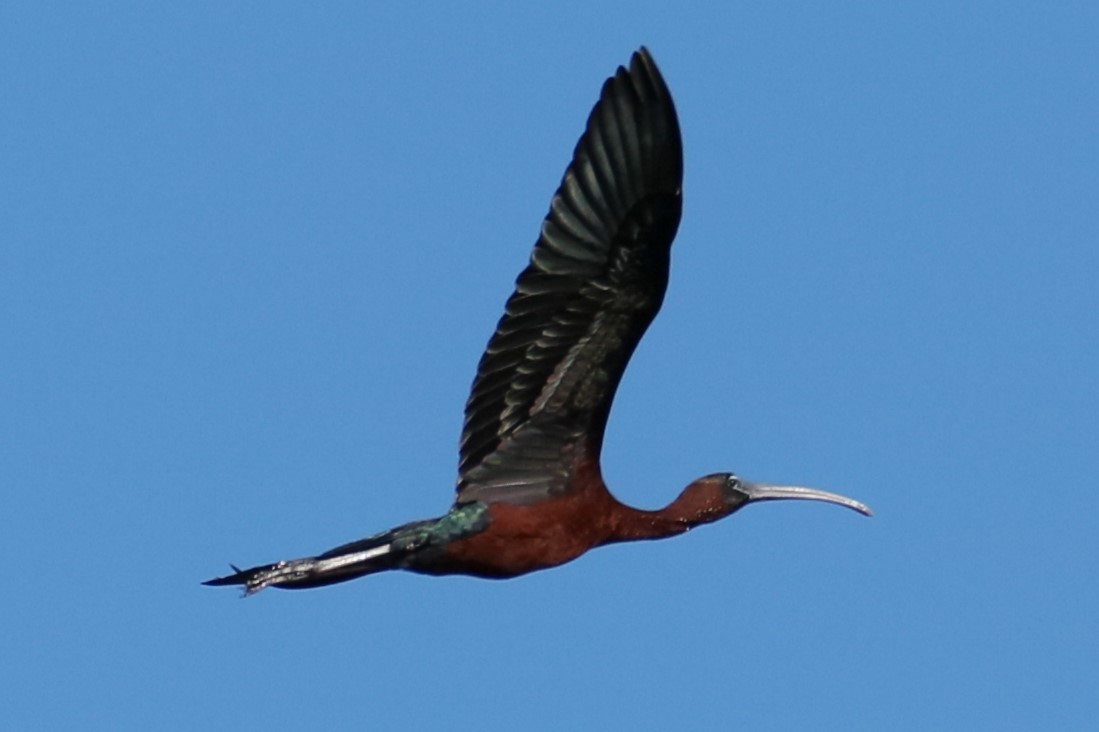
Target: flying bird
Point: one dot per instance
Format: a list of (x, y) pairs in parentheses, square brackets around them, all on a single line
[(530, 493)]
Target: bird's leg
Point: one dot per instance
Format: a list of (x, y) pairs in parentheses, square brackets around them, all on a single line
[(387, 550), (307, 572)]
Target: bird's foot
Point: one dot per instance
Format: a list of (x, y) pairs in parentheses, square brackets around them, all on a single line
[(281, 574)]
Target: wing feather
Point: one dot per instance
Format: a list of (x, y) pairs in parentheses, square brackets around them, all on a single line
[(595, 281)]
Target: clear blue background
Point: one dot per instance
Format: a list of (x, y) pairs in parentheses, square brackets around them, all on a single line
[(250, 255)]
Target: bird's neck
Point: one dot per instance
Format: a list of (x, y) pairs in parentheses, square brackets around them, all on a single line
[(699, 503)]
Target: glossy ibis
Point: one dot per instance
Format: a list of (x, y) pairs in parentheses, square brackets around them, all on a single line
[(530, 491)]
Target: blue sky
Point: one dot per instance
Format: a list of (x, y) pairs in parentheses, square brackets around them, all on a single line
[(250, 255)]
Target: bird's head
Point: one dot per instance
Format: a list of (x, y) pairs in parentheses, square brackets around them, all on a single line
[(715, 496), (737, 493)]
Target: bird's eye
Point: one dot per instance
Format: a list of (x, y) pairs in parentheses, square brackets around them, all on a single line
[(732, 481)]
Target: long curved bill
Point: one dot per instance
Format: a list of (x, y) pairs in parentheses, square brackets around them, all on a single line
[(770, 492)]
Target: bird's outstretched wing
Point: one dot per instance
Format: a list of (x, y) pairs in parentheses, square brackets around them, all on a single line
[(596, 280)]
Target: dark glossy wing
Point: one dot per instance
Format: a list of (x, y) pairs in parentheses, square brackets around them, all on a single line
[(596, 279)]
